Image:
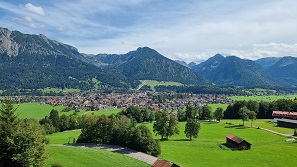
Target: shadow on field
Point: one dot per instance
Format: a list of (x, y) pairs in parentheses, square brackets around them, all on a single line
[(212, 122), (236, 126), (182, 140)]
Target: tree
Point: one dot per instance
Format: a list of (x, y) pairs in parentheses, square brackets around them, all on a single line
[(191, 112), (192, 128), (29, 143), (252, 117), (64, 122), (181, 114), (219, 114), (173, 127), (244, 112), (142, 140), (8, 124), (54, 117), (161, 124), (22, 142), (206, 112)]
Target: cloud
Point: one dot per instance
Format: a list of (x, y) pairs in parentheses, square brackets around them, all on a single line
[(36, 9), (28, 21)]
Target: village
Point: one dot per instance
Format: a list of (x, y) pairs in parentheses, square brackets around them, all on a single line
[(153, 100)]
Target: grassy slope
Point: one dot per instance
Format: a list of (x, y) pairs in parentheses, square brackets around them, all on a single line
[(35, 110), (48, 90), (267, 149), (87, 157), (263, 98), (153, 83), (84, 157)]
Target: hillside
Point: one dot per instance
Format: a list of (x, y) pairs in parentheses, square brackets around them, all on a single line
[(34, 61), (233, 71), (285, 70), (267, 62), (147, 64)]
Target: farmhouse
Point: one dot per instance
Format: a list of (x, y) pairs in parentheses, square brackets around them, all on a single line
[(236, 142), (284, 114), (288, 123)]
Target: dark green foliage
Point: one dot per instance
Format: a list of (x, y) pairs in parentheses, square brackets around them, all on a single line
[(118, 130), (206, 112), (244, 112), (191, 112), (181, 114), (135, 114), (165, 125), (142, 140), (192, 128), (55, 119), (218, 114), (22, 142)]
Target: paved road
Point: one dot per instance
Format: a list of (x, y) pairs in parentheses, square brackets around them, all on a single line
[(128, 152)]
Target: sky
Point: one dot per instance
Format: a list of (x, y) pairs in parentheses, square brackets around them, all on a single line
[(189, 30)]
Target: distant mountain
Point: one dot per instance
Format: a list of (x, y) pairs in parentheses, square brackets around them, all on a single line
[(147, 64), (182, 63), (233, 71), (34, 61), (192, 64), (285, 70), (267, 62)]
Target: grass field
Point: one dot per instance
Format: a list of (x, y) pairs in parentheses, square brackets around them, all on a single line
[(215, 106), (83, 157), (35, 110), (68, 156), (39, 111), (267, 149), (262, 98), (106, 111), (153, 83), (263, 123)]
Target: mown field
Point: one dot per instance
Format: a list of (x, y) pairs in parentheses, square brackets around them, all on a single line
[(267, 149), (153, 83), (262, 98), (39, 111), (68, 156)]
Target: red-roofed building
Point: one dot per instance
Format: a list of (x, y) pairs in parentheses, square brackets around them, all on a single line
[(284, 114), (237, 142), (164, 163)]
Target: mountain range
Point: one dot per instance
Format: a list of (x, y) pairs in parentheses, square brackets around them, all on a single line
[(35, 61)]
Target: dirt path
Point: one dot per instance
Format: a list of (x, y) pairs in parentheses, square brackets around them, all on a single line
[(125, 151), (281, 134)]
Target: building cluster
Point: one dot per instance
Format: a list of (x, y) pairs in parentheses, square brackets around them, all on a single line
[(153, 100)]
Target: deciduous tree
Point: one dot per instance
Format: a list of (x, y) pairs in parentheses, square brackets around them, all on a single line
[(192, 128)]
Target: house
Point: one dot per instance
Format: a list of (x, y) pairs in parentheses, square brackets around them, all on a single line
[(237, 142), (284, 114), (288, 123), (164, 163)]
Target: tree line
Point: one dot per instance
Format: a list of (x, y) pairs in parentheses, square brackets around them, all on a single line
[(262, 109)]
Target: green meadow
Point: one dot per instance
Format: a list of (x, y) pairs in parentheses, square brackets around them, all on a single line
[(39, 111), (153, 83), (263, 98), (35, 110), (215, 106), (68, 156), (267, 149)]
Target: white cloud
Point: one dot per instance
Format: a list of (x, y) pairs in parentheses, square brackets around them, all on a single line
[(36, 9), (28, 21)]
